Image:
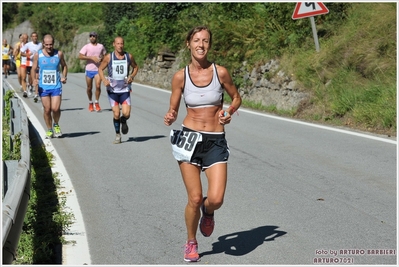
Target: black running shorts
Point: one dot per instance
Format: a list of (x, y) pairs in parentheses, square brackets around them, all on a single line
[(211, 150)]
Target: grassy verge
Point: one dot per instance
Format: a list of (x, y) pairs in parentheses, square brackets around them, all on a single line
[(352, 79), (46, 220)]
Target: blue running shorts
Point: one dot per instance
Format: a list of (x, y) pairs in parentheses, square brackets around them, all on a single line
[(51, 93), (91, 74)]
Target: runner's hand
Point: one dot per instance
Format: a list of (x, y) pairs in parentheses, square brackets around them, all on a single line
[(170, 117)]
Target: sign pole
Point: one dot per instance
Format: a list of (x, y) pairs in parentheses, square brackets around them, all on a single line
[(316, 39), (310, 9)]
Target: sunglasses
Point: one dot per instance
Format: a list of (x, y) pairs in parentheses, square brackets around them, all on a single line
[(93, 35)]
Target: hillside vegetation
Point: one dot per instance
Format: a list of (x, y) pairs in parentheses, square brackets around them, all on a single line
[(351, 80)]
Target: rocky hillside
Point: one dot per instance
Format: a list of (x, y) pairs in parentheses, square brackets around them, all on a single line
[(278, 90), (71, 53)]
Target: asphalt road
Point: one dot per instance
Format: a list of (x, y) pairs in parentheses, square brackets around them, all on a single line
[(297, 193)]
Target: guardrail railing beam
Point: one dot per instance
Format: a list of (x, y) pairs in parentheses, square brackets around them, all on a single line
[(16, 190)]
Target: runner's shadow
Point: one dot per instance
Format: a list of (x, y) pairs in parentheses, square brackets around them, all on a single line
[(68, 109), (77, 134), (241, 243), (144, 138)]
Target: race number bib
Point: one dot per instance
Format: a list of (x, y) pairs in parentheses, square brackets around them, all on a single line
[(119, 69), (183, 144), (49, 77), (5, 51)]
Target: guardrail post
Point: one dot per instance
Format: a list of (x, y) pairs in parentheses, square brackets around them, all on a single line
[(9, 169), (4, 101), (15, 124)]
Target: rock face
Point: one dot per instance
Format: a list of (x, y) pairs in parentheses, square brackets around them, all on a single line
[(71, 54), (159, 71), (271, 87), (12, 36), (266, 84)]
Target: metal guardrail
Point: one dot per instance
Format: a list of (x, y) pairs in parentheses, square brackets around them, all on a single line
[(16, 180)]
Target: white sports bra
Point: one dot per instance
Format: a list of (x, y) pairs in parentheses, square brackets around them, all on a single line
[(202, 96)]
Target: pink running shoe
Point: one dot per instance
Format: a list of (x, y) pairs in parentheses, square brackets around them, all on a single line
[(207, 223), (191, 251)]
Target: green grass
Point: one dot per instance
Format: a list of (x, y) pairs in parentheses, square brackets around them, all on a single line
[(11, 147), (46, 220), (270, 109), (352, 79)]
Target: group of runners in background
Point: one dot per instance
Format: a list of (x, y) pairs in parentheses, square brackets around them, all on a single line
[(202, 84), (42, 68)]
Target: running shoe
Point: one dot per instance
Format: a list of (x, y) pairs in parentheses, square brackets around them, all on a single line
[(25, 94), (191, 251), (5, 76), (207, 223), (36, 98), (118, 139), (97, 105), (57, 130), (125, 128), (91, 107), (49, 134)]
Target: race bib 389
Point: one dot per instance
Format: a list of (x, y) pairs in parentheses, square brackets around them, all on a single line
[(183, 144)]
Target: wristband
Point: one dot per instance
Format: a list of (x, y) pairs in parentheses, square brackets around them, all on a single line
[(234, 110)]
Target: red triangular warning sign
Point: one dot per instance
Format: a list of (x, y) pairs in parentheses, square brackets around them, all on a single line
[(309, 9)]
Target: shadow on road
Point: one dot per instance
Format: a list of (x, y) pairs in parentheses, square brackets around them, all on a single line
[(106, 109), (241, 243), (77, 134), (144, 138), (69, 109)]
